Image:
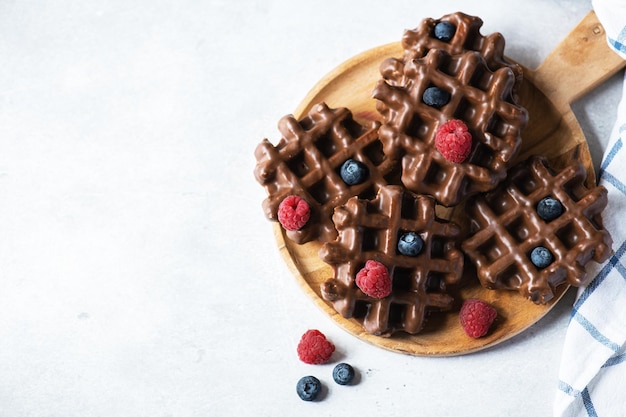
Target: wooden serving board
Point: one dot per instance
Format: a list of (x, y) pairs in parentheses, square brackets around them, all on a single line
[(578, 64)]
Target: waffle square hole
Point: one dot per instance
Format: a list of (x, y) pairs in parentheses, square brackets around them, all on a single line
[(397, 314), (360, 309), (481, 78), (419, 128), (403, 279), (575, 189), (354, 129), (596, 221), (492, 249), (393, 177), (435, 175), (510, 277), (435, 283), (326, 145), (319, 191), (374, 152), (370, 241), (500, 203), (569, 235), (519, 230), (525, 182), (465, 110), (437, 247), (409, 207), (482, 155), (368, 193), (497, 126), (448, 66), (298, 165)]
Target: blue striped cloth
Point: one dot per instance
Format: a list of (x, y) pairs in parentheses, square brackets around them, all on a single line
[(612, 15), (592, 375)]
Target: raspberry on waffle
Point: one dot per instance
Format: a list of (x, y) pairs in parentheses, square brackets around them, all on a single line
[(506, 227), (479, 97), (370, 230), (307, 160)]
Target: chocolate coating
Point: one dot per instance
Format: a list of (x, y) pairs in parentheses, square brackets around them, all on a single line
[(467, 37), (505, 229), (370, 230), (307, 162), (479, 97)]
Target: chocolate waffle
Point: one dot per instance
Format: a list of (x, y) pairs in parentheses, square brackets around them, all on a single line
[(467, 37), (479, 97), (370, 230), (506, 227), (306, 163)]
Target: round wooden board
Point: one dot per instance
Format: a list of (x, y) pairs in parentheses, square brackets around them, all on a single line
[(552, 131)]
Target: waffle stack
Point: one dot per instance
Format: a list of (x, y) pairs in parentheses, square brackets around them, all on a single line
[(408, 178), (482, 99)]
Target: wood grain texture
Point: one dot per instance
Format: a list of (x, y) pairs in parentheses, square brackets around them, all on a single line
[(579, 64)]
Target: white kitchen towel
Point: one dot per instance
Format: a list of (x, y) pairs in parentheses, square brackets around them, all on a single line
[(612, 15), (592, 375)]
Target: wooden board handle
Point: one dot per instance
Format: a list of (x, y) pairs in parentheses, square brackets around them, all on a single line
[(581, 62)]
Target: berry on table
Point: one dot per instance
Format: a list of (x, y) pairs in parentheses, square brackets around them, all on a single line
[(374, 279), (476, 317), (343, 373), (549, 209), (314, 348), (444, 31), (454, 141), (435, 97), (353, 172), (293, 212), (541, 257), (308, 388), (410, 244)]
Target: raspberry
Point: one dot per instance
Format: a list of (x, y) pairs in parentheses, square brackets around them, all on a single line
[(476, 317), (293, 212), (314, 348), (454, 141), (374, 280)]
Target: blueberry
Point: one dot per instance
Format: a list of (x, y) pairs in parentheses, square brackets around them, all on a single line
[(549, 209), (410, 244), (308, 388), (353, 172), (444, 31), (436, 97), (541, 257), (343, 374)]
